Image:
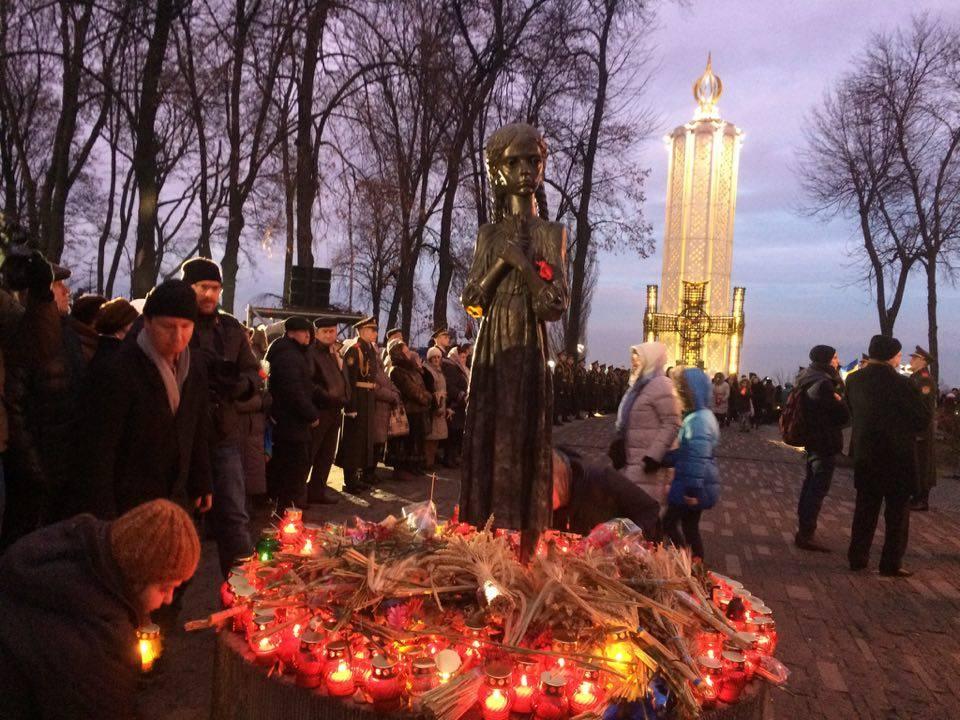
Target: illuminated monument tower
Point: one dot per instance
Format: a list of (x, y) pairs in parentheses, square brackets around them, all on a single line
[(692, 314)]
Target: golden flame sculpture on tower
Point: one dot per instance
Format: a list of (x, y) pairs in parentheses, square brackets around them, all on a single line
[(692, 314)]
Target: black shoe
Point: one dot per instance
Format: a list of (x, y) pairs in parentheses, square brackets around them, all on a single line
[(898, 573), (858, 568), (808, 544), (355, 488), (919, 506), (327, 497)]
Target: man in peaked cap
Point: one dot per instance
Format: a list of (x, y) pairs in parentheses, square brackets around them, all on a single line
[(441, 338), (920, 362), (330, 395), (392, 334), (888, 412), (356, 452)]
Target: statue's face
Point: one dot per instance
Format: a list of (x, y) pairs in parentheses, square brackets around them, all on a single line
[(521, 169)]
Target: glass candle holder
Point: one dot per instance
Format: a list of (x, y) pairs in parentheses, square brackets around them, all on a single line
[(310, 659), (618, 649), (766, 634), (149, 646), (551, 702), (384, 683), (710, 644), (565, 644), (734, 676), (711, 668), (472, 647), (585, 696), (496, 694), (525, 676), (338, 675), (268, 545), (423, 676)]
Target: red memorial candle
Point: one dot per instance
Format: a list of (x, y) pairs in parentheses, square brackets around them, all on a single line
[(550, 702), (496, 695)]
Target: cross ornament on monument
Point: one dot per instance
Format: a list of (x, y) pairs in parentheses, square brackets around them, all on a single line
[(692, 324)]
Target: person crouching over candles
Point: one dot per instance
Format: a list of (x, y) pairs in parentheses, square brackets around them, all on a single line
[(73, 595)]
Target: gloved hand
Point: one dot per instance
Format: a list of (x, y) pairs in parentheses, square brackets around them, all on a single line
[(28, 271), (650, 465)]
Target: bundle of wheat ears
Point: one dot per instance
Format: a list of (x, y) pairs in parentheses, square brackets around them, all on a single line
[(400, 588)]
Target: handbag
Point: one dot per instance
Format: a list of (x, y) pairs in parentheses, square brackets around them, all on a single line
[(399, 423)]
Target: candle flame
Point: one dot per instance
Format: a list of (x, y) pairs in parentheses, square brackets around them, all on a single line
[(308, 547), (523, 680), (147, 655), (290, 528)]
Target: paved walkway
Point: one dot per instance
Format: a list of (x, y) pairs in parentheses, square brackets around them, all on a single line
[(859, 646)]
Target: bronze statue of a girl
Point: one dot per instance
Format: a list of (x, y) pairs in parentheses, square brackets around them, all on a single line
[(517, 284)]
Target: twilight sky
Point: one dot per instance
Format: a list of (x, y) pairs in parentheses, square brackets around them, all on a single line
[(776, 60)]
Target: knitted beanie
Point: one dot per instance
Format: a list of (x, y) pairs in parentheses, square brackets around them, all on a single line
[(883, 348), (114, 316), (172, 298), (822, 354), (155, 543), (434, 352), (200, 269)]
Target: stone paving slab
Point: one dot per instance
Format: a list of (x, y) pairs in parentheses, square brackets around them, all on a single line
[(859, 646)]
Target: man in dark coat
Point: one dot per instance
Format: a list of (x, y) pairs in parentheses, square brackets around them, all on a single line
[(293, 412), (330, 395), (233, 375), (72, 596), (44, 366), (888, 411), (356, 452), (920, 361), (146, 422), (585, 495), (824, 414), (458, 380)]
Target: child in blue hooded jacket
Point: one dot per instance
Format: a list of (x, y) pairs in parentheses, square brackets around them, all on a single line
[(696, 480)]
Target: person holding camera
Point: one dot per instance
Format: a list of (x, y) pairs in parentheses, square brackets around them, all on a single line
[(233, 374)]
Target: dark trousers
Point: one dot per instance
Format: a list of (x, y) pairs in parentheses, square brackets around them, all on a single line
[(686, 518), (896, 518), (229, 518), (287, 472), (325, 437), (816, 485)]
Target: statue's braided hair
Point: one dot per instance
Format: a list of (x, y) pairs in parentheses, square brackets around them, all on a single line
[(497, 145)]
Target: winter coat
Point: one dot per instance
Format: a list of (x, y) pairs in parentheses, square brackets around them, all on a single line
[(291, 387), (437, 421), (330, 389), (926, 440), (357, 448), (68, 636), (233, 371), (387, 397), (252, 415), (406, 376), (132, 447), (695, 468), (651, 428), (741, 401), (458, 380), (824, 416), (721, 398), (888, 411)]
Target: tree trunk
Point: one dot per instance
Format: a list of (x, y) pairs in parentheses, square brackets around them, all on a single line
[(444, 256), (306, 168), (144, 274), (932, 335), (575, 318)]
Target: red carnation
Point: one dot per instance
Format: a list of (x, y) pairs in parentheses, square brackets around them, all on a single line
[(546, 272)]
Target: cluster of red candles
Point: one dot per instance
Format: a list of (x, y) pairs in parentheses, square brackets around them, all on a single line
[(335, 658)]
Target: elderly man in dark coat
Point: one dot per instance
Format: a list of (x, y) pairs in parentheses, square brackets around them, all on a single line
[(146, 423), (888, 411), (293, 411), (357, 447), (920, 361), (330, 394), (233, 374)]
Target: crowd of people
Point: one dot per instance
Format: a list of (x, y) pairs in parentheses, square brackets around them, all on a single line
[(581, 391)]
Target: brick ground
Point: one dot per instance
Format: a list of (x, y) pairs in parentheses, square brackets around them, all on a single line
[(859, 646)]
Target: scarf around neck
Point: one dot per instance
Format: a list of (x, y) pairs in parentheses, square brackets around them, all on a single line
[(173, 376)]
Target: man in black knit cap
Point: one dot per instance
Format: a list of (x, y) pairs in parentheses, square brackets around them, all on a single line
[(233, 376), (825, 414), (888, 411)]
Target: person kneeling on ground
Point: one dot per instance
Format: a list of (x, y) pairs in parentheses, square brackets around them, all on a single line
[(72, 596), (585, 495), (696, 480)]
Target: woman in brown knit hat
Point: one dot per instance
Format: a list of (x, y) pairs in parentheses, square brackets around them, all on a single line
[(72, 596)]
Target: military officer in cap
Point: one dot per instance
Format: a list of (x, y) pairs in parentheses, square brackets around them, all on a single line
[(293, 412), (920, 361), (392, 334), (440, 338), (330, 395), (356, 451)]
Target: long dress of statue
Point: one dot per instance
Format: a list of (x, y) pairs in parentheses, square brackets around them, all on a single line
[(516, 284)]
